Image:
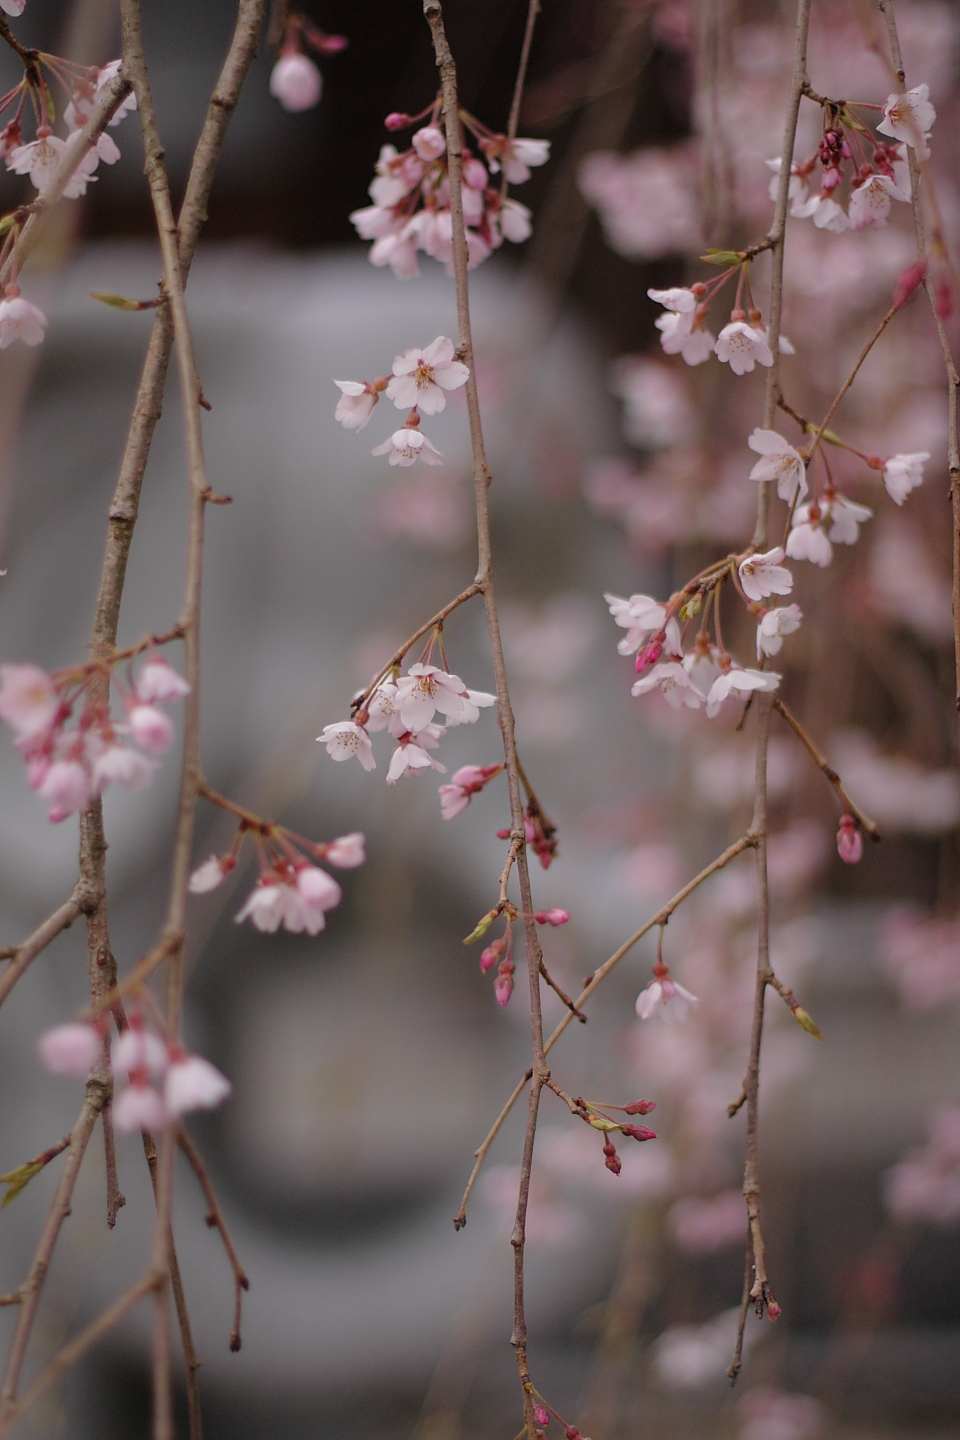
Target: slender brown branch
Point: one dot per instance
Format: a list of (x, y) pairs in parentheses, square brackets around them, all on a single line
[(820, 760), (22, 955), (570, 1004), (397, 656), (533, 10), (216, 1221), (850, 379), (599, 975)]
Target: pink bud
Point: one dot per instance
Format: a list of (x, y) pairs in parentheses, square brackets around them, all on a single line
[(151, 728), (396, 120), (475, 174), (773, 1310), (159, 683), (849, 841), (329, 44), (139, 1107), (553, 916), (908, 282), (347, 851), (640, 1107), (296, 82), (209, 875), (503, 985), (649, 655), (639, 1132), (490, 956), (612, 1160), (192, 1083), (430, 142), (70, 1049), (542, 1414)]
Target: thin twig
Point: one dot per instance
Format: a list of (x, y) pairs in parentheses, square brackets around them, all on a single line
[(599, 975), (820, 760), (216, 1221), (397, 656), (61, 919), (849, 380)]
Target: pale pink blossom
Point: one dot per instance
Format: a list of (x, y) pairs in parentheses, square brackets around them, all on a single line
[(105, 75), (381, 708), (666, 998), (346, 851), (151, 728), (158, 683), (845, 517), (120, 765), (405, 447), (774, 624), (139, 1107), (429, 142), (41, 159), (19, 320), (296, 81), (647, 200), (192, 1083), (425, 689), (684, 334), (410, 757), (210, 874), (908, 117), (678, 298), (849, 841), (138, 1050), (466, 782), (356, 403), (925, 1185), (318, 889), (797, 188), (420, 377), (779, 462), (345, 739), (674, 684), (903, 473), (763, 575), (825, 212), (554, 916), (373, 222), (807, 539), (70, 1049), (738, 682), (515, 156), (741, 346), (396, 175), (28, 699), (399, 253), (12, 7), (65, 786), (270, 903), (640, 616), (515, 221), (870, 202)]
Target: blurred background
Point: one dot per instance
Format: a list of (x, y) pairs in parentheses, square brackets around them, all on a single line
[(368, 1062)]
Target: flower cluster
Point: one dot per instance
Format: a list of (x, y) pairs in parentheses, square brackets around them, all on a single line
[(419, 381), (742, 343), (162, 1082), (68, 765), (875, 181), (40, 158), (291, 890), (665, 998), (500, 952), (405, 706), (295, 79), (411, 194)]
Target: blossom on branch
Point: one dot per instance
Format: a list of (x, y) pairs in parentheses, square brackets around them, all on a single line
[(420, 377), (902, 473), (909, 117), (741, 346), (870, 202), (356, 403), (19, 320), (345, 739), (738, 682), (667, 999), (763, 575), (779, 462), (674, 684), (407, 446), (774, 624), (296, 81)]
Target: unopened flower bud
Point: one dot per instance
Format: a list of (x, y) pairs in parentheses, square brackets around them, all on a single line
[(649, 655), (492, 954), (503, 985), (554, 916), (612, 1160), (773, 1310), (542, 1414), (908, 282), (396, 120), (640, 1107), (639, 1132), (849, 841)]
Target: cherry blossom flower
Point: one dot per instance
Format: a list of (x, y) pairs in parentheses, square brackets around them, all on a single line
[(426, 688), (192, 1083), (296, 81), (28, 699), (355, 405), (71, 1049), (908, 117), (210, 874), (825, 212), (12, 7), (151, 728), (139, 1107), (515, 221), (680, 299), (410, 756), (640, 616), (666, 998), (66, 787), (849, 841), (807, 539), (686, 336), (420, 377), (515, 156), (674, 684), (19, 320), (406, 446), (120, 765), (741, 346), (763, 575), (345, 739), (41, 159), (737, 682), (870, 202), (158, 683), (139, 1050), (466, 782), (903, 473), (105, 75), (346, 851), (797, 188), (846, 517), (554, 916), (429, 142), (779, 462), (774, 624), (399, 253)]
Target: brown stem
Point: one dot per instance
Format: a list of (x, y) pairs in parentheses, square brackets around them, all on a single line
[(570, 1004), (22, 955), (216, 1221), (820, 760), (599, 975), (484, 580), (398, 655), (850, 379)]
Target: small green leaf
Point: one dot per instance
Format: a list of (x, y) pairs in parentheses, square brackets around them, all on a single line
[(18, 1180), (120, 302), (482, 927), (692, 607), (600, 1123), (723, 257)]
